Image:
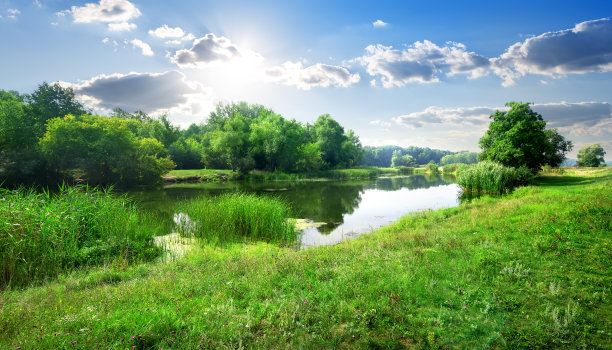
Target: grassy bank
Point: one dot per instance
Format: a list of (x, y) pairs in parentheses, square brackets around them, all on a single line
[(214, 175), (528, 270)]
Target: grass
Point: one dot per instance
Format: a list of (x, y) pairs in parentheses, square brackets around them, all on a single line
[(45, 234), (237, 218), (200, 175), (528, 270), (454, 168), (493, 178)]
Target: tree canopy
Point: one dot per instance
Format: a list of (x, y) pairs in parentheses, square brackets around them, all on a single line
[(518, 137), (591, 156)]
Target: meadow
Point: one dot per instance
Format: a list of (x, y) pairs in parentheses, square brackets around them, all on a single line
[(529, 269)]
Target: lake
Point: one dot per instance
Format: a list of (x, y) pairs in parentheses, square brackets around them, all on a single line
[(337, 210)]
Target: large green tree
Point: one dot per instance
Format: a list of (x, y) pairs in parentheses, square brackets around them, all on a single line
[(518, 137), (591, 156), (103, 150)]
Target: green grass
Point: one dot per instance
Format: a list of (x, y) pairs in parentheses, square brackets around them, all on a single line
[(238, 218), (454, 168), (44, 234), (526, 270), (493, 178), (201, 175)]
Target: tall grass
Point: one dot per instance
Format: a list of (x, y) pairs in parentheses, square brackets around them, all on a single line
[(454, 168), (548, 170), (238, 217), (493, 178), (45, 234)]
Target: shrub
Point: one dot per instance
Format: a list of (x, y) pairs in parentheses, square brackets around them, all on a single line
[(431, 167)]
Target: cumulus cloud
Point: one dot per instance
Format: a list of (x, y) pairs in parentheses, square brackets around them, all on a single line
[(381, 123), (165, 32), (211, 49), (121, 27), (12, 13), (440, 115), (147, 92), (305, 78), (117, 13), (579, 118), (379, 24), (585, 48), (144, 47), (37, 3), (421, 62)]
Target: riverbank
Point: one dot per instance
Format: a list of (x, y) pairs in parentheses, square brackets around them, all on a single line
[(215, 175), (530, 269)]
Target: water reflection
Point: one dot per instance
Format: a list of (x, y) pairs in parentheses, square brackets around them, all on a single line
[(348, 208)]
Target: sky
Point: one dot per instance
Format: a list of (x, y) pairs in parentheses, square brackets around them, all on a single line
[(406, 73)]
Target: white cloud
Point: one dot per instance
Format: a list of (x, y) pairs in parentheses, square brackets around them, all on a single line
[(105, 40), (421, 62), (37, 3), (579, 118), (440, 115), (211, 49), (13, 11), (381, 123), (165, 32), (144, 47), (318, 75), (166, 92), (585, 48), (379, 24), (117, 13), (121, 27)]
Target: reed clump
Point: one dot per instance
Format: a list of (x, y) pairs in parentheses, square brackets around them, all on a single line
[(238, 217), (493, 178), (454, 168), (45, 234)]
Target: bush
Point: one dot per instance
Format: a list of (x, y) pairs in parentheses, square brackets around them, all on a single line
[(238, 218), (431, 167), (494, 178), (44, 234), (454, 168)]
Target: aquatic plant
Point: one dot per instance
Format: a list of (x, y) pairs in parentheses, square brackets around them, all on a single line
[(45, 234), (239, 217), (493, 178)]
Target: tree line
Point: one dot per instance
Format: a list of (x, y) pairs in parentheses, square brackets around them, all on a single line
[(48, 136), (393, 156)]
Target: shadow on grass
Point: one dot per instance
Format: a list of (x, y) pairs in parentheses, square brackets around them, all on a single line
[(566, 180)]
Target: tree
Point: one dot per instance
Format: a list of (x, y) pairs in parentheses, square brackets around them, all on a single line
[(518, 137), (104, 150), (329, 135), (591, 156), (52, 101)]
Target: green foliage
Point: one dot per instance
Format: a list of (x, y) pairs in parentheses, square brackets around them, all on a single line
[(308, 158), (104, 150), (382, 156), (454, 168), (461, 157), (45, 234), (399, 160), (52, 101), (591, 156), (237, 218), (493, 178), (517, 138), (186, 153), (431, 167)]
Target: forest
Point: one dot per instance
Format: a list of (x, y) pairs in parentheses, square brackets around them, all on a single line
[(48, 137)]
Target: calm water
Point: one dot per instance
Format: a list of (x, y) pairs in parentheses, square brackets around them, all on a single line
[(346, 209)]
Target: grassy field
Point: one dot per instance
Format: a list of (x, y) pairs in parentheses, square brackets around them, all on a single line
[(527, 270)]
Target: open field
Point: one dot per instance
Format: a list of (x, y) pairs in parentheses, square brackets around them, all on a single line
[(529, 269)]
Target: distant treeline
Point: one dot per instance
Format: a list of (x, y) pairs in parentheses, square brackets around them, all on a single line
[(49, 137), (384, 156)]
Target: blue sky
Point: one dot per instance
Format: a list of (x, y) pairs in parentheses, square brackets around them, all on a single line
[(424, 73)]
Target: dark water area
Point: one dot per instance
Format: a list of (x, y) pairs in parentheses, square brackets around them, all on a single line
[(338, 209)]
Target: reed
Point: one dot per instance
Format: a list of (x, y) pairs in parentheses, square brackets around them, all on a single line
[(454, 168), (238, 217), (493, 178), (45, 234)]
